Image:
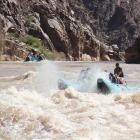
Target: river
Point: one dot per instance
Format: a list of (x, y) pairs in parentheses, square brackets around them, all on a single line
[(32, 108)]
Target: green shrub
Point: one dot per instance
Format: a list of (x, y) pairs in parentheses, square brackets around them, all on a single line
[(36, 43), (14, 36), (32, 42), (54, 55)]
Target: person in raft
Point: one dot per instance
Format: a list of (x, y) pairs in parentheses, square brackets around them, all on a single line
[(33, 56), (118, 72)]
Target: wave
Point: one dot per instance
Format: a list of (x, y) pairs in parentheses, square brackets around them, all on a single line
[(68, 114), (42, 112), (22, 77)]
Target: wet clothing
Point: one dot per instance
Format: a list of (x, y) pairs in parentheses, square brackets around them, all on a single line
[(27, 59), (116, 80), (112, 78), (118, 71), (33, 58), (39, 58), (82, 75)]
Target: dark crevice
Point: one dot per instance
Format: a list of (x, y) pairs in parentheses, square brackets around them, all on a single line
[(58, 43), (118, 19)]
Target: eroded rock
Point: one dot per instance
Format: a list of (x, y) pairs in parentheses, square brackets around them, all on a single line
[(132, 54), (75, 27)]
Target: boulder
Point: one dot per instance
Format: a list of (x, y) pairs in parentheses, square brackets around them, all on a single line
[(94, 59), (105, 58), (5, 58), (86, 57)]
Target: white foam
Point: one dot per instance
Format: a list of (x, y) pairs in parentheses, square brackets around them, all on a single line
[(47, 77), (27, 114)]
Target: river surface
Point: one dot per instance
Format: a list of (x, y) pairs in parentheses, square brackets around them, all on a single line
[(32, 107)]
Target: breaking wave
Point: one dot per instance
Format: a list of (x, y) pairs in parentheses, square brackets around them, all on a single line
[(68, 115), (45, 113)]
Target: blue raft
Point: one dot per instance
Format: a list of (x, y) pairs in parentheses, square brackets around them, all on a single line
[(77, 85), (104, 86)]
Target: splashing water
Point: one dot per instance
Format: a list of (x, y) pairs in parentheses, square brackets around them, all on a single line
[(46, 78), (28, 114), (87, 82)]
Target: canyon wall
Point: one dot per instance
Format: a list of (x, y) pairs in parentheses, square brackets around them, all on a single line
[(77, 28)]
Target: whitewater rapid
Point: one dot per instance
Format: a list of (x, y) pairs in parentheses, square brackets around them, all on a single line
[(32, 108)]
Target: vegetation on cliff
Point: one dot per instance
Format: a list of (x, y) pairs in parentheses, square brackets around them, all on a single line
[(76, 28)]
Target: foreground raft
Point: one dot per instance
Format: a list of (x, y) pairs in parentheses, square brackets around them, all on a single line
[(103, 86)]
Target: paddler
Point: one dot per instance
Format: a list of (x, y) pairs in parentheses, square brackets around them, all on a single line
[(118, 72)]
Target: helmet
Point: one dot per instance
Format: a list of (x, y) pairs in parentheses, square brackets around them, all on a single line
[(117, 64)]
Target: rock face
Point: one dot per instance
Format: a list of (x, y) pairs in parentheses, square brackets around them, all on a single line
[(118, 20), (132, 54), (74, 27)]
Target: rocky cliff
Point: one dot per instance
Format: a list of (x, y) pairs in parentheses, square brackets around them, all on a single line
[(74, 27), (132, 54)]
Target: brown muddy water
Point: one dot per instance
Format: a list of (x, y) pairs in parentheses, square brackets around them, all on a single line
[(32, 108)]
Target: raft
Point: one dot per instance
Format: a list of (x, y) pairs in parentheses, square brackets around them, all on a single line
[(101, 85), (106, 86)]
